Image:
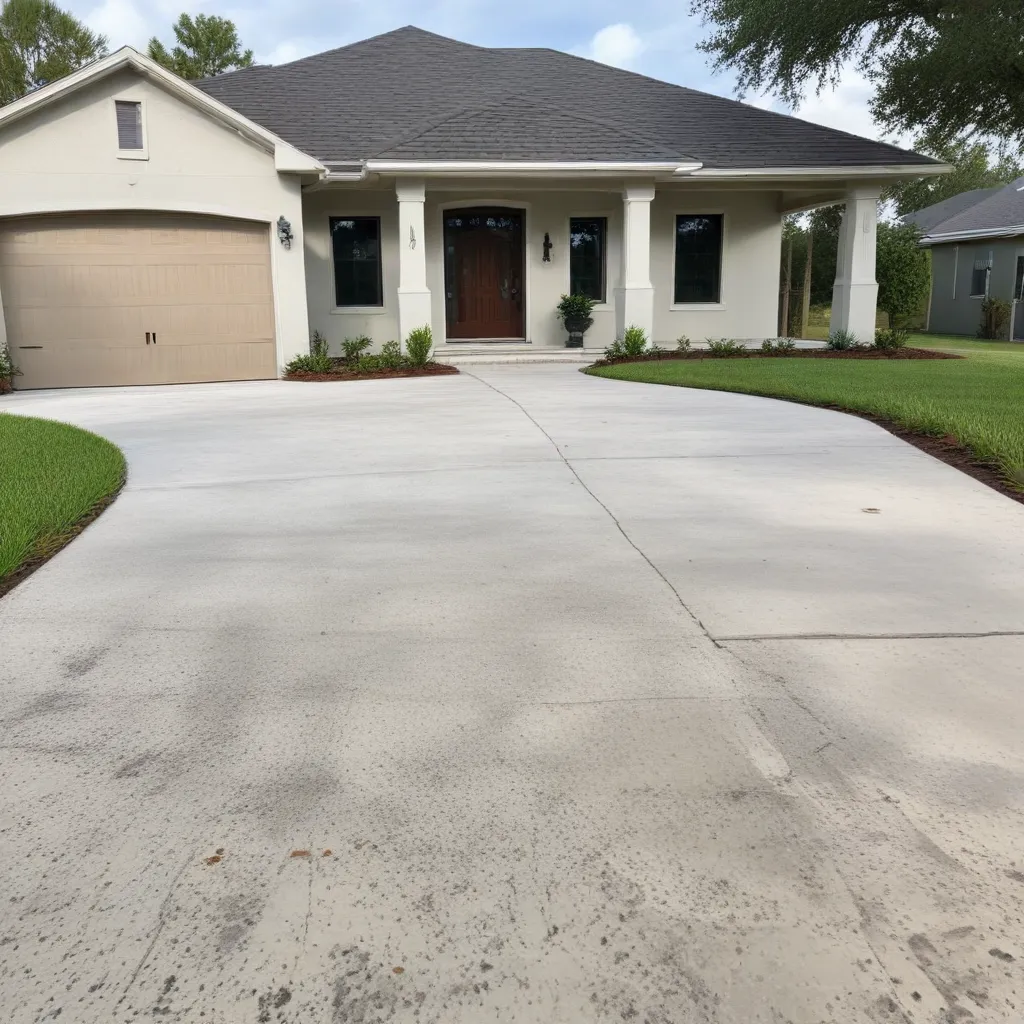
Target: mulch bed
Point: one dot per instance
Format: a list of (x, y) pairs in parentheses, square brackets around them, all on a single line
[(429, 370), (797, 353), (55, 544)]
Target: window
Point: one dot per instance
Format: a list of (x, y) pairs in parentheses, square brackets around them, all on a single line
[(355, 245), (1018, 284), (586, 256), (698, 258), (980, 278), (129, 124)]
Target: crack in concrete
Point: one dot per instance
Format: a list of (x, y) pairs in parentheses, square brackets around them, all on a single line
[(611, 515), (869, 636)]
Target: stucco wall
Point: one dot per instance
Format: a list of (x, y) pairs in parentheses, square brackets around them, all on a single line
[(956, 312), (65, 158), (750, 272)]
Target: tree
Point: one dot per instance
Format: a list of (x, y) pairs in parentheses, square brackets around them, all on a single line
[(973, 167), (207, 46), (40, 43), (902, 269), (947, 69)]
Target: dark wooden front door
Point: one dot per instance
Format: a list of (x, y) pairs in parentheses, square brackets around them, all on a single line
[(483, 273)]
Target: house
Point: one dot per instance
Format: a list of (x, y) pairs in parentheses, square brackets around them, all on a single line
[(977, 245), (156, 230)]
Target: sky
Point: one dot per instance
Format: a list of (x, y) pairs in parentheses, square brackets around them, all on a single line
[(654, 37)]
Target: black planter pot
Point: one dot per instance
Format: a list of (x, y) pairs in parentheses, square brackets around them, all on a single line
[(576, 329)]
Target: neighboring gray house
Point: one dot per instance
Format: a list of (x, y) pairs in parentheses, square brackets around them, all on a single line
[(977, 244)]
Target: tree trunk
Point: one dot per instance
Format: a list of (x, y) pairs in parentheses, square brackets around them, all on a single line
[(787, 289), (806, 310)]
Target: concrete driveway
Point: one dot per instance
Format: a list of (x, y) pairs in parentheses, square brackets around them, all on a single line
[(610, 702)]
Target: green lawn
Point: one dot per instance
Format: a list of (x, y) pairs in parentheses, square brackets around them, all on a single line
[(51, 475), (978, 400)]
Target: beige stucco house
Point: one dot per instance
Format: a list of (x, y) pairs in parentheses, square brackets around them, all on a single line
[(155, 230)]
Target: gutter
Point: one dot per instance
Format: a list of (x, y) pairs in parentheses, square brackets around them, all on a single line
[(528, 167), (973, 236)]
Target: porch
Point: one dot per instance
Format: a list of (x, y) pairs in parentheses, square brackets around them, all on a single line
[(484, 262)]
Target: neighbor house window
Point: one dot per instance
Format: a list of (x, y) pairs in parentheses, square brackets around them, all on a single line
[(355, 246), (698, 258), (980, 278), (587, 256), (129, 124)]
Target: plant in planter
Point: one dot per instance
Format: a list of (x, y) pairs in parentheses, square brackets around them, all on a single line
[(574, 312), (8, 371)]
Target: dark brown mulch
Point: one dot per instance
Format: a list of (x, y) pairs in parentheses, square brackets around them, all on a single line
[(430, 370), (55, 544), (797, 353)]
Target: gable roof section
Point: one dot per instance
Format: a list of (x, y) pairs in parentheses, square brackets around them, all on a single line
[(413, 92), (998, 215), (286, 156), (930, 216)]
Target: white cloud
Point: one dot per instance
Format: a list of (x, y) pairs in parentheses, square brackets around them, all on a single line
[(122, 23), (618, 45)]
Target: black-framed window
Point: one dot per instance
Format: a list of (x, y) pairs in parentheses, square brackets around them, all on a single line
[(587, 256), (355, 245), (698, 258)]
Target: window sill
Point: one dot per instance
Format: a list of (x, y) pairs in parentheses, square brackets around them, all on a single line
[(132, 154), (602, 307), (697, 307), (358, 311)]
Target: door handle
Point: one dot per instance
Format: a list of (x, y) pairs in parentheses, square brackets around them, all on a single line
[(154, 337), (147, 337)]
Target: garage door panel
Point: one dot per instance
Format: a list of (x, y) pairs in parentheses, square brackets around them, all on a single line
[(81, 291)]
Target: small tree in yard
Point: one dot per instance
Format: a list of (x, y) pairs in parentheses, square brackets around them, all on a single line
[(902, 269)]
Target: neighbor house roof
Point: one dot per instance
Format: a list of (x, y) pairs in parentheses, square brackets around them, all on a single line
[(997, 214), (927, 218), (413, 95)]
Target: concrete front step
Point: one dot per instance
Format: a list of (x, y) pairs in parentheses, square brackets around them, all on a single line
[(465, 355)]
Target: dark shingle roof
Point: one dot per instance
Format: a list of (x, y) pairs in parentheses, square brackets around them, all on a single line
[(927, 218), (411, 94), (1003, 208)]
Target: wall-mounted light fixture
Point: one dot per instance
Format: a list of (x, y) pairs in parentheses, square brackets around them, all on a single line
[(284, 232), (547, 247)]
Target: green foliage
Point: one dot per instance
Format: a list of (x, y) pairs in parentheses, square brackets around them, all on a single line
[(903, 270), (777, 346), (574, 312), (892, 339), (207, 45), (391, 357), (977, 400), (947, 68), (725, 348), (634, 341), (53, 474), (418, 345), (615, 350), (841, 341), (8, 370), (682, 343), (353, 348), (995, 319), (317, 360), (40, 43), (973, 167)]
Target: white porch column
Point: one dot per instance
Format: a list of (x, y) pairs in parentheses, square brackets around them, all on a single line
[(855, 291), (636, 295), (413, 293)]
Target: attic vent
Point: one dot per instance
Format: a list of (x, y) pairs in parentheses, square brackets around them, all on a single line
[(129, 124)]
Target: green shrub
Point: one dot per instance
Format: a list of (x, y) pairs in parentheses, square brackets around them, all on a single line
[(615, 350), (574, 312), (8, 371), (634, 341), (391, 357), (724, 348), (317, 360), (353, 348), (682, 343), (893, 339), (418, 345), (995, 319), (841, 341), (777, 346)]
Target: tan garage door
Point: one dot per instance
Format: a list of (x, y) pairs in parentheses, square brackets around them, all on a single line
[(137, 298)]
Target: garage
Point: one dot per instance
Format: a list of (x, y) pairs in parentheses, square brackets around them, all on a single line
[(93, 299)]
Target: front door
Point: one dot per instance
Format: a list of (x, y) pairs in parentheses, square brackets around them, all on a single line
[(483, 271)]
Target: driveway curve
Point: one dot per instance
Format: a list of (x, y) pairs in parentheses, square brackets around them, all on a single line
[(518, 695)]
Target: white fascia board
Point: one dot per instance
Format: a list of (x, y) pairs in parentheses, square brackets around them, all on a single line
[(826, 173), (973, 236), (527, 167), (291, 159)]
